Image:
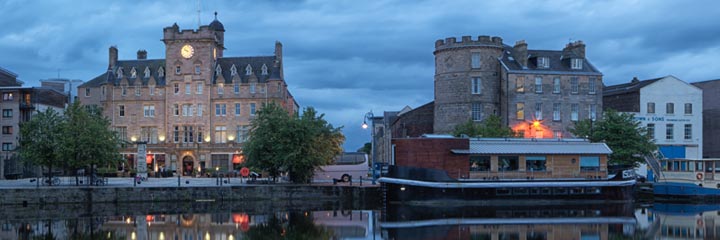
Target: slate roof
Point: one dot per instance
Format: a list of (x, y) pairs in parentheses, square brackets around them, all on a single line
[(127, 66), (632, 86), (559, 63), (533, 146), (242, 62)]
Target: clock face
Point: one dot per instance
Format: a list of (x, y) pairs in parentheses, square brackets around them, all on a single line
[(187, 51)]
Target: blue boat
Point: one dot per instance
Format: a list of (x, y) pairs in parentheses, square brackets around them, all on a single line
[(685, 179)]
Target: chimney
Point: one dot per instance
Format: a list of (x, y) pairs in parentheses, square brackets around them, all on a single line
[(113, 55), (577, 47), (635, 80), (520, 53), (141, 54), (278, 58)]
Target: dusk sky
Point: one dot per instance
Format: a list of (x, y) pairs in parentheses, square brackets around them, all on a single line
[(346, 58)]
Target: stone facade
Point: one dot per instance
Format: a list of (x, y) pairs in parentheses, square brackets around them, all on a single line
[(710, 116), (193, 107)]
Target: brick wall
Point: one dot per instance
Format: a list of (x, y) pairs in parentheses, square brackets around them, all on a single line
[(414, 123), (433, 153)]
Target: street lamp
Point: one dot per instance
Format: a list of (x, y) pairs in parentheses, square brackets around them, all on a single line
[(369, 117)]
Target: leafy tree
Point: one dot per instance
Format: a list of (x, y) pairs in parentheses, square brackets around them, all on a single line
[(296, 144), (366, 148), (40, 139), (621, 132), (489, 127)]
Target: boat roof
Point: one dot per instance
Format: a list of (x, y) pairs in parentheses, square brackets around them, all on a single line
[(533, 146)]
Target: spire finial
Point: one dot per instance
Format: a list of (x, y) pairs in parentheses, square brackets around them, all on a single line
[(215, 15)]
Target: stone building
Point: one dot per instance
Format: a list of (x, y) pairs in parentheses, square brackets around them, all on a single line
[(710, 116), (67, 86), (478, 77), (668, 107), (19, 105), (193, 107)]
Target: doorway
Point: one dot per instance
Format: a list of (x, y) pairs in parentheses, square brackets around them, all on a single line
[(188, 165)]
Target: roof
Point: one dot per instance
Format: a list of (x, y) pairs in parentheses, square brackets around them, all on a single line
[(256, 63), (633, 86), (533, 146), (111, 76), (559, 63)]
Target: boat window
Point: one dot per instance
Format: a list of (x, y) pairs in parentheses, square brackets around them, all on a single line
[(589, 163), (709, 166), (479, 163), (699, 165), (683, 166), (717, 166), (535, 163), (507, 163)]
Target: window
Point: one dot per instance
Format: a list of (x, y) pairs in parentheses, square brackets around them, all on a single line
[(220, 161), (574, 88), (243, 133), (574, 112), (200, 109), (576, 63), (220, 89), (237, 109), (475, 61), (147, 72), (538, 111), (508, 163), (176, 88), (149, 111), (220, 134), (9, 96), (264, 69), (177, 69), (476, 85), (592, 112), (669, 131), (650, 107), (161, 72), (520, 111), (591, 86), (252, 109), (556, 111), (236, 88), (199, 88), (543, 62), (651, 130), (557, 133), (102, 90), (87, 94), (520, 84), (121, 110), (176, 110), (688, 131), (477, 111), (7, 147), (199, 134), (197, 69), (7, 130), (188, 136), (218, 70), (670, 108), (176, 134), (233, 70), (121, 133), (538, 85), (187, 110), (556, 85), (151, 89), (688, 108), (149, 134), (248, 70), (589, 163), (535, 163), (479, 163), (137, 91), (220, 110), (123, 90), (188, 88), (252, 88), (133, 73), (7, 113)]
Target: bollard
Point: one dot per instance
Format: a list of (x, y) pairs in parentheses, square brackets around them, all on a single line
[(178, 180), (360, 184)]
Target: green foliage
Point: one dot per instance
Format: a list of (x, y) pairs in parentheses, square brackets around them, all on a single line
[(281, 142), (366, 148), (490, 127), (621, 132), (40, 139)]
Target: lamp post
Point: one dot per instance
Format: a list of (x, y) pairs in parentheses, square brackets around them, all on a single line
[(369, 117)]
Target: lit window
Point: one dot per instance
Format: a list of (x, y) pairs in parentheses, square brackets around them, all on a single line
[(576, 63), (476, 85), (520, 84), (220, 134), (520, 111)]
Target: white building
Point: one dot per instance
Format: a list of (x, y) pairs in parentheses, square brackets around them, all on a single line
[(668, 107)]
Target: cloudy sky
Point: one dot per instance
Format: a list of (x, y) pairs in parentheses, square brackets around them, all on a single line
[(346, 58)]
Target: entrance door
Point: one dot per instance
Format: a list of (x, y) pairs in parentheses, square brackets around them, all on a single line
[(188, 165)]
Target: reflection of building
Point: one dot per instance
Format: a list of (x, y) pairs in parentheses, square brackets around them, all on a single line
[(192, 107), (710, 116), (669, 108), (18, 105)]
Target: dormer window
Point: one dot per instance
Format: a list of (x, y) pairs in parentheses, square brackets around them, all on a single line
[(147, 72), (133, 73), (543, 62), (576, 63), (248, 70), (264, 69), (218, 70), (233, 70), (161, 72), (120, 73)]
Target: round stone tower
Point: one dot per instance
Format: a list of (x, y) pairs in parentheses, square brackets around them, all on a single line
[(467, 80)]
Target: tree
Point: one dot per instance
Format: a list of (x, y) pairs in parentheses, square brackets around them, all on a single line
[(88, 140), (621, 132), (489, 127), (296, 144), (366, 148), (40, 139)]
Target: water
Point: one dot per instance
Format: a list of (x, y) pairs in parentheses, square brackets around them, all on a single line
[(292, 220)]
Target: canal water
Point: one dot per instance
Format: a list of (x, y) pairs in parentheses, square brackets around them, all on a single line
[(200, 221)]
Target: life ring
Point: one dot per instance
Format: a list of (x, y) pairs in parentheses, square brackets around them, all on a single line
[(699, 176)]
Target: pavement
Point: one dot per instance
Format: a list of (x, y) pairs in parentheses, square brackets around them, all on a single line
[(154, 182)]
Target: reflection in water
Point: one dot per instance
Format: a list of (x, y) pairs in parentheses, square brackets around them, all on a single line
[(530, 221)]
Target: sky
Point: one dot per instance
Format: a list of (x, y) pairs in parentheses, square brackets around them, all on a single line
[(347, 58)]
